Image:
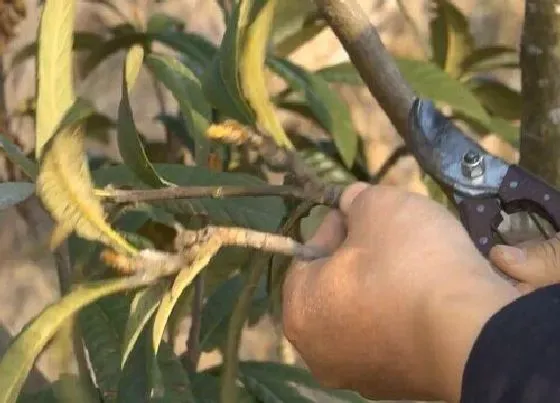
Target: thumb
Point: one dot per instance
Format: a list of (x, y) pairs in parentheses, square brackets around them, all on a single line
[(535, 263)]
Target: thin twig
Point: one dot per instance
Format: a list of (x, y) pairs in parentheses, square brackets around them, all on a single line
[(370, 57), (150, 264), (326, 195), (191, 192)]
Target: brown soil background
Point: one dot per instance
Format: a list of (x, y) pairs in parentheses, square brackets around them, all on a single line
[(27, 278)]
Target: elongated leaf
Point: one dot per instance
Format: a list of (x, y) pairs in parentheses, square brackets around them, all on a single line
[(274, 382), (450, 36), (426, 79), (143, 306), (490, 58), (175, 380), (18, 157), (55, 93), (82, 41), (252, 69), (206, 388), (20, 356), (130, 146), (217, 311), (326, 105), (187, 90), (160, 22), (14, 192), (178, 127), (499, 99), (221, 82), (101, 326), (182, 281), (64, 186), (261, 213), (295, 23)]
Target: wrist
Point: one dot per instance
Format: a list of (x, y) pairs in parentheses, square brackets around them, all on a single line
[(456, 315)]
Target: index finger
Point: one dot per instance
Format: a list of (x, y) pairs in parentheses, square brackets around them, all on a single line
[(350, 194)]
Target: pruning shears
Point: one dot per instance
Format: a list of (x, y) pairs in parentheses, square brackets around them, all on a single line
[(479, 184)]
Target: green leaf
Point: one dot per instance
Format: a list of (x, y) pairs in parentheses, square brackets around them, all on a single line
[(499, 99), (161, 22), (186, 89), (253, 79), (106, 48), (450, 37), (325, 103), (197, 52), (55, 93), (295, 23), (175, 380), (177, 126), (431, 82), (217, 311), (274, 382), (426, 79), (206, 388), (64, 185), (18, 157), (14, 192), (261, 213), (20, 356), (222, 82), (143, 306), (130, 146), (101, 326), (82, 41), (490, 58)]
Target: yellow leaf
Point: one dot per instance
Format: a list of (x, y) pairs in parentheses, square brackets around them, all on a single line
[(55, 93), (20, 356), (65, 188), (133, 64), (183, 279), (253, 73)]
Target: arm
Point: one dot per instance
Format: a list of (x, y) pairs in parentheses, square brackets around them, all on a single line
[(516, 357)]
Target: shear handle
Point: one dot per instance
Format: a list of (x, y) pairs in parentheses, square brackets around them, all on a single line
[(479, 217), (522, 191)]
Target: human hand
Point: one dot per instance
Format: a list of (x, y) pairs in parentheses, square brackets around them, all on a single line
[(533, 264), (395, 309)]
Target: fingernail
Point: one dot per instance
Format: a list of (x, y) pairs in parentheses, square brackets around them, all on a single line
[(512, 254)]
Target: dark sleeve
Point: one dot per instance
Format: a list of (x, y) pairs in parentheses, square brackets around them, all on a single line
[(516, 357)]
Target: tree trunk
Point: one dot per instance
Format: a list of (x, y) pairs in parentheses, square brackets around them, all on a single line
[(540, 79)]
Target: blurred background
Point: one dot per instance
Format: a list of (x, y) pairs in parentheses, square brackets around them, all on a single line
[(27, 277)]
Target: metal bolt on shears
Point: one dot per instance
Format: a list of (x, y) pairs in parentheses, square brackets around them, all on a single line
[(480, 184)]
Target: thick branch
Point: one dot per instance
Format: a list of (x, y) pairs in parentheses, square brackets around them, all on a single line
[(370, 57), (540, 78)]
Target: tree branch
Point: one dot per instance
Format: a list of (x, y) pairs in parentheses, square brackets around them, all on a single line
[(540, 88), (370, 57), (193, 245), (280, 158)]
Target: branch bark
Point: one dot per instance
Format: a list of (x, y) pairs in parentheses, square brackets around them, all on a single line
[(540, 78), (370, 57)]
